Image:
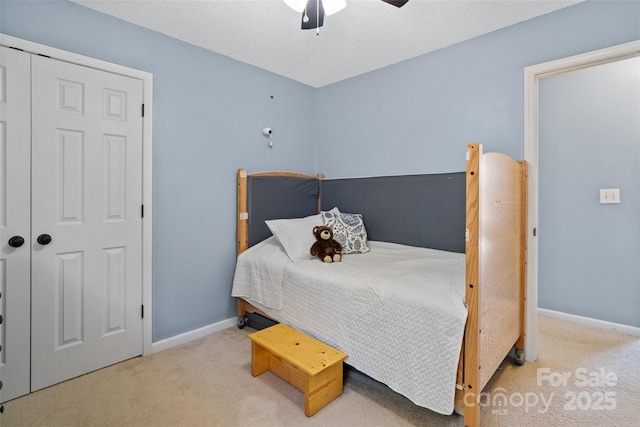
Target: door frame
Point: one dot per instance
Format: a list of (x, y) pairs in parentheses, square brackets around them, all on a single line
[(532, 76), (147, 99)]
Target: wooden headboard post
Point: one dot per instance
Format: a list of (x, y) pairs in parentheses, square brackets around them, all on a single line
[(320, 177), (242, 228), (242, 232)]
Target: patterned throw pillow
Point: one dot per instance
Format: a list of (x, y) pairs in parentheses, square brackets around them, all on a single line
[(348, 230)]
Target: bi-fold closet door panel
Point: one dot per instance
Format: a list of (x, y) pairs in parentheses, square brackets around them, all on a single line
[(85, 232), (15, 221)]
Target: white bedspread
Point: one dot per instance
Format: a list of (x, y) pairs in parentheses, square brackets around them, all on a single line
[(397, 311)]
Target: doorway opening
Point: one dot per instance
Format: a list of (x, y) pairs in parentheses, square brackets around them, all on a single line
[(533, 75)]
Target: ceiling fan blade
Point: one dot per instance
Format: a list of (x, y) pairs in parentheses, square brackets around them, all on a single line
[(313, 15), (396, 3)]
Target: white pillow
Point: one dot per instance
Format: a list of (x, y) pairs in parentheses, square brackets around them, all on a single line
[(295, 235)]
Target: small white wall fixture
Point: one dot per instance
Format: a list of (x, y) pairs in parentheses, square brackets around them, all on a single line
[(532, 76)]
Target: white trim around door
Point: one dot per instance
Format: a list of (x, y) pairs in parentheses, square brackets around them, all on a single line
[(532, 75), (147, 82)]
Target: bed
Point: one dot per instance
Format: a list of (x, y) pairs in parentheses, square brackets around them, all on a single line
[(456, 242)]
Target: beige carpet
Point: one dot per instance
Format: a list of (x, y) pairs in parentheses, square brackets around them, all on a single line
[(208, 383)]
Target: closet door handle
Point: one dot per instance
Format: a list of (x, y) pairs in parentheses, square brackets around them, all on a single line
[(44, 239), (16, 241)]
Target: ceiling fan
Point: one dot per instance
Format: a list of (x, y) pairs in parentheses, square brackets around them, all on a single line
[(313, 11)]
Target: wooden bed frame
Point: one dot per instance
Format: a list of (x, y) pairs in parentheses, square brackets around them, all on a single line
[(495, 252)]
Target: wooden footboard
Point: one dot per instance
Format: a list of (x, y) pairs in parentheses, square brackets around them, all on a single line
[(495, 280)]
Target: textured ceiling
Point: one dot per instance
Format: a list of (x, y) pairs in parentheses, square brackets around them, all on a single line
[(367, 35)]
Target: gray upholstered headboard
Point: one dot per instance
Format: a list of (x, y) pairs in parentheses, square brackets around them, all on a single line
[(416, 210), (275, 197)]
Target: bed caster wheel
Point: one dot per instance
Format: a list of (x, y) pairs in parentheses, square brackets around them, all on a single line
[(241, 322), (519, 357)]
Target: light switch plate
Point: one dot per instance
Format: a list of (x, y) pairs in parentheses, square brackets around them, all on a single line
[(610, 195)]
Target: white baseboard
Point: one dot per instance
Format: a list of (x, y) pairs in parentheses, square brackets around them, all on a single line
[(193, 335), (588, 321)]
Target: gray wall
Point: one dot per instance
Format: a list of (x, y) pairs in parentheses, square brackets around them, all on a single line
[(418, 115), (589, 138), (209, 111), (411, 117)]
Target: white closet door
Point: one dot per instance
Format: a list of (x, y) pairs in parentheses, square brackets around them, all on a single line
[(87, 196), (15, 164)]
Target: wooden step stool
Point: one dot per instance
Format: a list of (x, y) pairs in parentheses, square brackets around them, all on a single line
[(304, 362)]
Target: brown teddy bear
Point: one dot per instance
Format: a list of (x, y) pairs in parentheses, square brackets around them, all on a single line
[(325, 247)]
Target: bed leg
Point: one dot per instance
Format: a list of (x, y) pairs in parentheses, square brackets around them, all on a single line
[(241, 322), (519, 357), (471, 417), (241, 311)]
